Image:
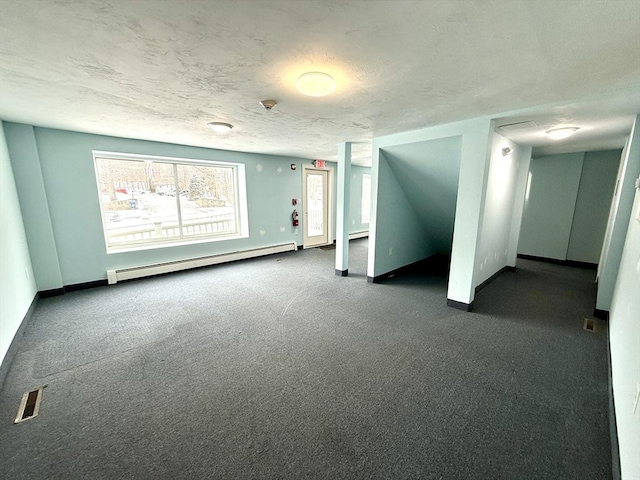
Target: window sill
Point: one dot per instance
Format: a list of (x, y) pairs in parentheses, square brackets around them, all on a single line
[(181, 243)]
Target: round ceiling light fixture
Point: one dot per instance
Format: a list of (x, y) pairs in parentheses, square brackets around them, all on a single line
[(562, 132), (220, 127), (316, 84)]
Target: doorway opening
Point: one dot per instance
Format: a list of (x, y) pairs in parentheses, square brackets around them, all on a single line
[(316, 207)]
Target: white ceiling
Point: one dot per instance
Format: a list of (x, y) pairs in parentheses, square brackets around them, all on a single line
[(161, 69)]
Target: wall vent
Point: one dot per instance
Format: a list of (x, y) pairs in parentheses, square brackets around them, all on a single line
[(514, 127)]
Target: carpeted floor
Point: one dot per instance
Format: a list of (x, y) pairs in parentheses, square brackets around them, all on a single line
[(275, 368)]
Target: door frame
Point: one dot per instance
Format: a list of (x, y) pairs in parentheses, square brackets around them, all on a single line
[(329, 202)]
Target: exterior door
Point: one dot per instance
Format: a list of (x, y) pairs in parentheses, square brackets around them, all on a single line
[(316, 208)]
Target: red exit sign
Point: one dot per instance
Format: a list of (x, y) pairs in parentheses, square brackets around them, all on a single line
[(318, 163)]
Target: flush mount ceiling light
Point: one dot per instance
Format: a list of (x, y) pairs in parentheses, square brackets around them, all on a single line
[(315, 84), (220, 127), (562, 132)]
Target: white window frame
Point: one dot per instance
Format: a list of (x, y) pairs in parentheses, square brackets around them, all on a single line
[(240, 190), (365, 201)]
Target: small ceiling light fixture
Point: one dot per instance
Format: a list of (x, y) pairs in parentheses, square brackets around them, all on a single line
[(315, 84), (220, 127), (268, 104), (562, 132), (507, 151)]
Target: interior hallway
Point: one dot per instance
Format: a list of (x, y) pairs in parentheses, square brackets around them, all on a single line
[(277, 368)]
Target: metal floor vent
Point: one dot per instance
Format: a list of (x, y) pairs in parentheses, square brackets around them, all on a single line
[(589, 325), (30, 405)]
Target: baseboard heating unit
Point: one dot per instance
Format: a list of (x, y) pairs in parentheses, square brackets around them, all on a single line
[(353, 236), (115, 276)]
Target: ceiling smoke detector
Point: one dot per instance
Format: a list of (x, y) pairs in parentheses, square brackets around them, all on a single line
[(268, 104)]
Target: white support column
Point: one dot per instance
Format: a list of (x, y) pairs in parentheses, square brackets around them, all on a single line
[(472, 189), (342, 209), (621, 211), (518, 204), (373, 215)]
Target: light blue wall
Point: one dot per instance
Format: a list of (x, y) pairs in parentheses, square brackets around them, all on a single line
[(68, 178), (618, 219), (624, 335), (34, 204), (355, 204), (474, 166), (417, 187), (597, 183), (549, 206), (428, 173), (401, 238), (502, 208), (618, 288), (566, 212), (17, 285)]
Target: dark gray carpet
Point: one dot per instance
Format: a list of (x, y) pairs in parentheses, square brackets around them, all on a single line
[(275, 368)]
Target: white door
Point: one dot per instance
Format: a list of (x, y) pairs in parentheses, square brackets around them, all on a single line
[(316, 208)]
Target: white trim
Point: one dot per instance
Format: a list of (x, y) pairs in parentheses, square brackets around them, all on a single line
[(362, 198), (329, 204), (241, 202), (171, 243), (158, 159)]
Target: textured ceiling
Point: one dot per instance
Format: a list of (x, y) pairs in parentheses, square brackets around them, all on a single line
[(160, 70)]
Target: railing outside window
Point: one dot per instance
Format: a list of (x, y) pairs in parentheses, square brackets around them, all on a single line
[(153, 201)]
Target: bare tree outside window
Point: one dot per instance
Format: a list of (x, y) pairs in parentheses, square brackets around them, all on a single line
[(149, 201)]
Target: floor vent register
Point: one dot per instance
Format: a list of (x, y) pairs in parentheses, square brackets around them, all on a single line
[(30, 405), (589, 325)]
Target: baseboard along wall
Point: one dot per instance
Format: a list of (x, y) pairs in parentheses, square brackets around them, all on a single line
[(507, 268), (568, 263)]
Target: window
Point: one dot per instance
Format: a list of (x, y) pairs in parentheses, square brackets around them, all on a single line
[(366, 198), (155, 201)]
